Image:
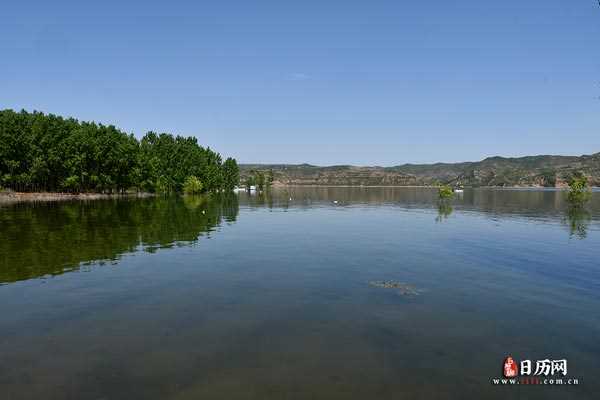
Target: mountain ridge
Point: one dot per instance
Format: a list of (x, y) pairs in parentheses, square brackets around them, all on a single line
[(527, 171)]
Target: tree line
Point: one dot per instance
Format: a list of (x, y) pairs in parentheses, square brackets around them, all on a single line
[(40, 152)]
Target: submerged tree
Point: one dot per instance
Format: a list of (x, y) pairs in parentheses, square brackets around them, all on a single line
[(579, 190), (249, 182), (445, 192), (577, 216)]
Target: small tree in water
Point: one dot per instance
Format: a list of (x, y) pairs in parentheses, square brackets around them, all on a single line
[(579, 191), (445, 192), (192, 185)]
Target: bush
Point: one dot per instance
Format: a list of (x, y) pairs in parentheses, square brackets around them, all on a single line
[(192, 185)]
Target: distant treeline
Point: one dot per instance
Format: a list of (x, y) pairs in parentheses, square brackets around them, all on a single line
[(41, 152)]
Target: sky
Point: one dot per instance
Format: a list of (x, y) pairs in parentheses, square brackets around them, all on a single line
[(322, 82)]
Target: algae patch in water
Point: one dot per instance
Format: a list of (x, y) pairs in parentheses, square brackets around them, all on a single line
[(404, 289)]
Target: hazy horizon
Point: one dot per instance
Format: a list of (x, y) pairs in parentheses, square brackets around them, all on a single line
[(326, 84)]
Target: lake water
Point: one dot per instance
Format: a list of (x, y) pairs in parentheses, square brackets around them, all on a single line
[(271, 297)]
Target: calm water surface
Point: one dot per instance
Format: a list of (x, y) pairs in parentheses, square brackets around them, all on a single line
[(268, 297)]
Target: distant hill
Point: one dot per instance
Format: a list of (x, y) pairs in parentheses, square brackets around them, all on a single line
[(530, 171)]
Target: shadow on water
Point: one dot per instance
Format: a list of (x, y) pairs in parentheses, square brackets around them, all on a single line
[(50, 238)]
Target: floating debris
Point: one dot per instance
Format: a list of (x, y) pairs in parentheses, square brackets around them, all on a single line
[(404, 289)]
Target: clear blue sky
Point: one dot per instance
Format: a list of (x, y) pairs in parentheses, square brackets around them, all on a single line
[(324, 82)]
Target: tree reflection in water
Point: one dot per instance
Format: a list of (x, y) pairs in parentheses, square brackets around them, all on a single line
[(444, 211), (578, 220), (55, 237)]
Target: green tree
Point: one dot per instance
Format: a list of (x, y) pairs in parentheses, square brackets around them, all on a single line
[(231, 174), (260, 180), (250, 181), (549, 177), (192, 185)]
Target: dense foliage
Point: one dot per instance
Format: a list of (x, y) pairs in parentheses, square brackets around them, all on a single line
[(41, 152)]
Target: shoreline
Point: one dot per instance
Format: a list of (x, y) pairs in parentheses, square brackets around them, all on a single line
[(15, 197)]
